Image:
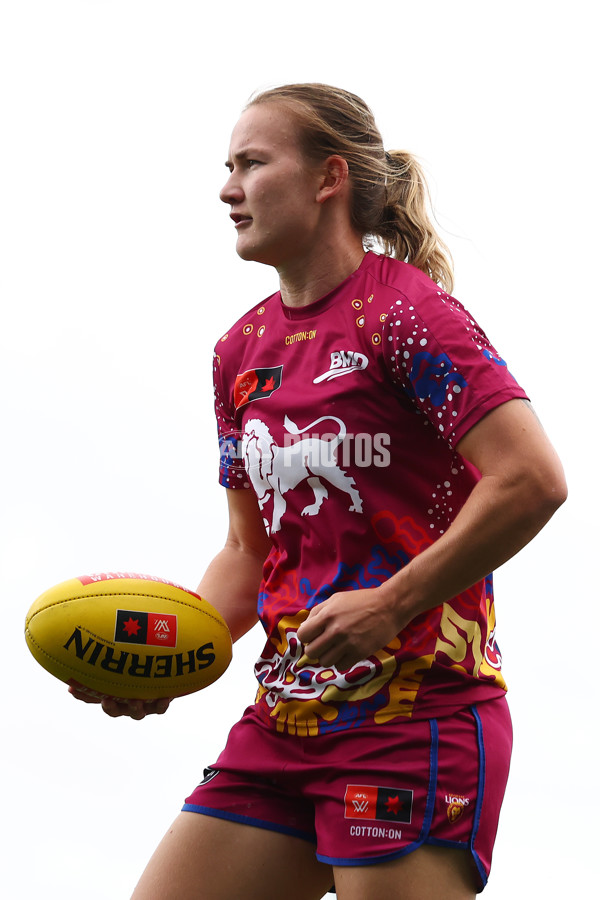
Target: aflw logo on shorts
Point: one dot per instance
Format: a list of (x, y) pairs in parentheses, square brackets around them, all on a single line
[(152, 629), (370, 802)]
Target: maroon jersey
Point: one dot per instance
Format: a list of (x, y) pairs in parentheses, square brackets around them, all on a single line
[(343, 416)]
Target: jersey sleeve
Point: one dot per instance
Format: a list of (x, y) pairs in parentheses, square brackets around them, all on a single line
[(232, 473), (437, 353)]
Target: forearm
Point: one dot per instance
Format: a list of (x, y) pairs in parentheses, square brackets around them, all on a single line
[(492, 526), (522, 484), (231, 584), (497, 521)]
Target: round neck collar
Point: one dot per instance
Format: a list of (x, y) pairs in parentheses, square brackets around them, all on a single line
[(318, 306)]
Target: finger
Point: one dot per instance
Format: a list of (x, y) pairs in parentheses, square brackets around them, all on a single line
[(136, 709), (331, 658), (311, 628), (158, 706), (82, 695), (115, 708), (323, 650), (340, 656)]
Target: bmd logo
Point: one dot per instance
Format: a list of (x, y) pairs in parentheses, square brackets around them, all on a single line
[(343, 362)]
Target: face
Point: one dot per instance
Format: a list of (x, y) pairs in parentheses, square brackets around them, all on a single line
[(271, 188)]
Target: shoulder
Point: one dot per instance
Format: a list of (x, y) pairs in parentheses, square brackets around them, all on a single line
[(407, 296), (395, 287), (396, 277), (405, 301), (247, 323), (395, 273)]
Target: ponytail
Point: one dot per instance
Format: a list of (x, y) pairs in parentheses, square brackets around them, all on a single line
[(405, 229)]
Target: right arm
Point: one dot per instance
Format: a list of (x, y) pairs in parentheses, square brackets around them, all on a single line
[(230, 584), (232, 579)]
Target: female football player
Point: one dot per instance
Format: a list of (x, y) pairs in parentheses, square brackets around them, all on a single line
[(380, 461)]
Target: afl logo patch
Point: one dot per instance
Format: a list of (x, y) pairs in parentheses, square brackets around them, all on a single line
[(256, 384), (151, 629)]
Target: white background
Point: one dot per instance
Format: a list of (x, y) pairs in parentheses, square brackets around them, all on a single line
[(118, 274)]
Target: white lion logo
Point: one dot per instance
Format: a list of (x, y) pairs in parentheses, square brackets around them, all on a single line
[(277, 470)]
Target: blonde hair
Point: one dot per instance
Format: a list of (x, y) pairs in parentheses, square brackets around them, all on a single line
[(390, 199)]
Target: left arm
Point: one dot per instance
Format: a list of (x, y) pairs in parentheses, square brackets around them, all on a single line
[(522, 484)]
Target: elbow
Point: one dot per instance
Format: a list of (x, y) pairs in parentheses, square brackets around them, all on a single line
[(550, 503), (555, 485), (559, 493), (547, 493)]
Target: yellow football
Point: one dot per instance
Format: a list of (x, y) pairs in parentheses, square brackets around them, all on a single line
[(128, 636)]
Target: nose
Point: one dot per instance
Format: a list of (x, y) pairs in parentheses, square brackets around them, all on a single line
[(231, 191)]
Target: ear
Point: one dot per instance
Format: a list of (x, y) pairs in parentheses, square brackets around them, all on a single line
[(335, 177)]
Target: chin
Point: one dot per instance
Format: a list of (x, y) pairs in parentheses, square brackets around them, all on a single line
[(244, 249), (254, 254), (246, 253)]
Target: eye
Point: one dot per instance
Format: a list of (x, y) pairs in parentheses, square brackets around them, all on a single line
[(246, 163)]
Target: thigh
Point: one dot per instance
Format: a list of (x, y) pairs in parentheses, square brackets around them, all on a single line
[(207, 858), (425, 874)]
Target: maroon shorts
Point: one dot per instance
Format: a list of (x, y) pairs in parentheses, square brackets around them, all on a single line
[(369, 794)]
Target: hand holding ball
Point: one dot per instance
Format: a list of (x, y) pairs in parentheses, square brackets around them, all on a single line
[(128, 636)]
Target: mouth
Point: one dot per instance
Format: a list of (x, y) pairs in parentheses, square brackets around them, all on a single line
[(240, 220)]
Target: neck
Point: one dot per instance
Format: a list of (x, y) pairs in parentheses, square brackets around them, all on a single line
[(305, 280)]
